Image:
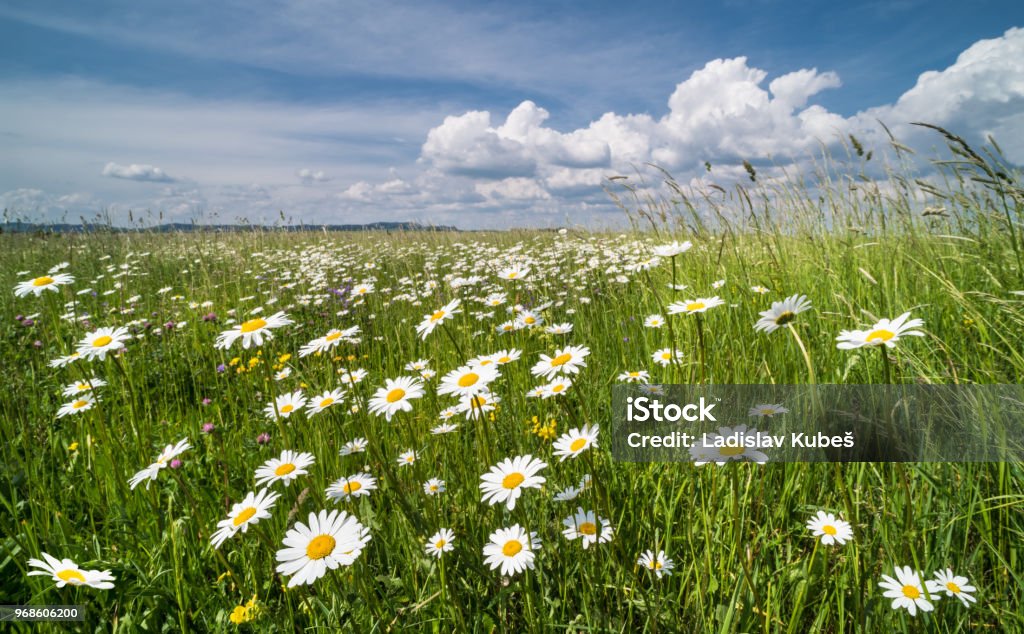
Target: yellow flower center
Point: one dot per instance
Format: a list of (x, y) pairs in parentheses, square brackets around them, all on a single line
[(578, 444), (731, 451), (588, 528), (79, 404), (284, 469), (561, 359), (99, 342), (881, 334), (320, 546), (395, 395), (478, 402), (829, 529), (657, 565), (81, 387), (692, 306), (511, 548), (71, 575), (952, 587), (352, 487), (911, 592), (468, 379), (530, 320), (437, 315), (440, 544), (244, 516), (334, 336), (326, 402), (253, 325), (512, 275), (504, 360), (513, 480), (558, 388), (42, 281), (287, 408)]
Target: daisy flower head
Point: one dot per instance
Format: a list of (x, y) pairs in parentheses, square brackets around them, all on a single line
[(434, 486), (694, 306), (327, 541), (253, 508), (395, 396), (66, 572), (514, 272), (782, 313), (717, 284), (953, 586), (444, 428), (85, 385), (635, 376), (77, 406), (906, 591), (654, 321), (886, 332), (288, 467), (673, 249), (588, 527), (527, 319), (501, 357), (61, 362), (253, 331), (567, 360), (329, 398), (767, 410), (436, 318), (285, 405), (567, 494), (354, 486), (37, 285), (468, 380), (830, 529), (96, 345), (576, 441), (506, 481), (440, 542), (760, 290), (558, 387), (477, 405), (407, 458), (357, 445), (730, 443), (332, 339), (658, 563), (351, 377), (150, 473), (512, 548), (558, 329), (664, 356)]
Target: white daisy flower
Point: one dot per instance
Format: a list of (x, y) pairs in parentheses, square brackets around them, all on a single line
[(467, 380), (576, 441), (588, 527), (77, 406), (659, 564), (37, 285), (953, 586), (395, 396), (694, 306), (96, 345), (66, 572), (567, 360), (830, 529), (441, 542), (353, 486), (253, 508), (906, 591), (782, 313), (328, 541), (288, 467), (357, 445), (253, 331), (513, 549), (506, 480), (150, 473), (885, 332), (433, 320), (285, 405), (767, 410), (329, 398), (434, 486)]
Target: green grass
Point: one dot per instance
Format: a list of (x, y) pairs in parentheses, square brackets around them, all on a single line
[(744, 560)]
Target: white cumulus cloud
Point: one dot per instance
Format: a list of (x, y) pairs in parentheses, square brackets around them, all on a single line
[(136, 172)]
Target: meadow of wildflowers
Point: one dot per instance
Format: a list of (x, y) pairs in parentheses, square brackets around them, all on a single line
[(368, 432)]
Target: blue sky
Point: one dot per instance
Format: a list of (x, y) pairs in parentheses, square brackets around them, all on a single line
[(479, 114)]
